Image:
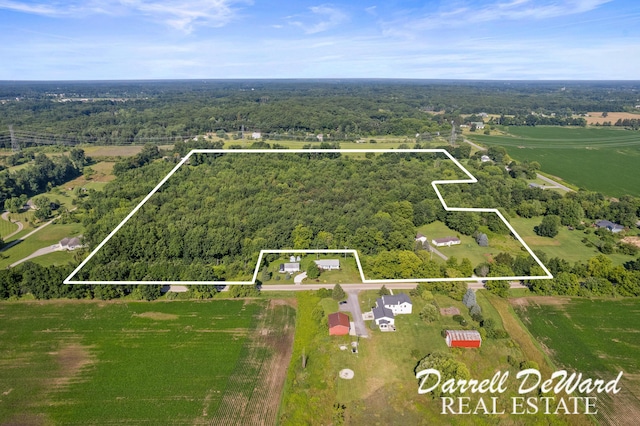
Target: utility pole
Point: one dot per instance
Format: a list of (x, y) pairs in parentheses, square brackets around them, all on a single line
[(453, 133), (14, 143)]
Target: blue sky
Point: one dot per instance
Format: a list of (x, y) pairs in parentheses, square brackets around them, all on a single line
[(461, 39)]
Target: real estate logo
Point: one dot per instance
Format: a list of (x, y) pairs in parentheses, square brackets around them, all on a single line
[(552, 396)]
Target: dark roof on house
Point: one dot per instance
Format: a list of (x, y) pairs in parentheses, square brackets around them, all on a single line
[(75, 241), (447, 240), (338, 318), (420, 236), (396, 299), (381, 312), (64, 242), (609, 225)]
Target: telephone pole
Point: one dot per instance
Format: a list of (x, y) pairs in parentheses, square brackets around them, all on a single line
[(453, 133), (14, 143)]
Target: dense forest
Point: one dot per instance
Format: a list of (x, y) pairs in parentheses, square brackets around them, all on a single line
[(212, 218), (139, 112)]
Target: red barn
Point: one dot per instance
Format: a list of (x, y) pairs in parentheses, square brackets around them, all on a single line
[(463, 339), (338, 324)]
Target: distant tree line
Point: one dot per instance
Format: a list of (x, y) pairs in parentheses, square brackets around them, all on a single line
[(125, 113)]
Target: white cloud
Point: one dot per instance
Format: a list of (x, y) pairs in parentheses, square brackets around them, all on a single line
[(183, 15), (464, 13), (324, 17)]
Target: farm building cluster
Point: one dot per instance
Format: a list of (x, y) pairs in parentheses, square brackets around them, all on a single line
[(294, 265)]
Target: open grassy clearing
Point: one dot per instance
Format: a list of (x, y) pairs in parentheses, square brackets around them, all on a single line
[(577, 154), (56, 258), (348, 272), (597, 337), (48, 236), (566, 245), (7, 227), (158, 363), (468, 247)]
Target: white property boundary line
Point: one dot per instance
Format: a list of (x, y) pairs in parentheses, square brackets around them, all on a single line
[(434, 184)]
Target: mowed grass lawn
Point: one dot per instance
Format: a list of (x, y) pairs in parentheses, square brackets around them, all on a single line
[(51, 234), (468, 247), (84, 362), (7, 227), (597, 337), (598, 159), (566, 245)]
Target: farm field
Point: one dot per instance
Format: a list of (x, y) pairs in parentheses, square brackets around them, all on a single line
[(597, 337), (577, 155), (85, 362)]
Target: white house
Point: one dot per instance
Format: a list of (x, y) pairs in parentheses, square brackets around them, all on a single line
[(421, 238), (384, 318), (256, 135), (479, 125), (70, 243), (289, 267), (485, 158), (328, 264), (446, 242), (397, 303)]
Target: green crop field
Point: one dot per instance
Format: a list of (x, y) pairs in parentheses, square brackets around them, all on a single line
[(85, 362), (598, 338), (599, 159)]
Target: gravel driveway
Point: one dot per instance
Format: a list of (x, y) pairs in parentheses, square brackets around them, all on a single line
[(353, 306)]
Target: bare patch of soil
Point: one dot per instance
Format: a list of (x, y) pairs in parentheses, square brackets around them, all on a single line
[(632, 240), (450, 311), (596, 117), (255, 387), (157, 316), (71, 359)]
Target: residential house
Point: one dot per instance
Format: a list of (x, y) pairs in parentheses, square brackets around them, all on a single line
[(70, 243), (397, 303), (421, 238), (613, 227), (485, 158), (328, 264), (384, 318), (446, 242), (289, 267)]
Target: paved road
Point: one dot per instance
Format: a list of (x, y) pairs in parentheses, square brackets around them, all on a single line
[(555, 183), (5, 216), (353, 306)]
